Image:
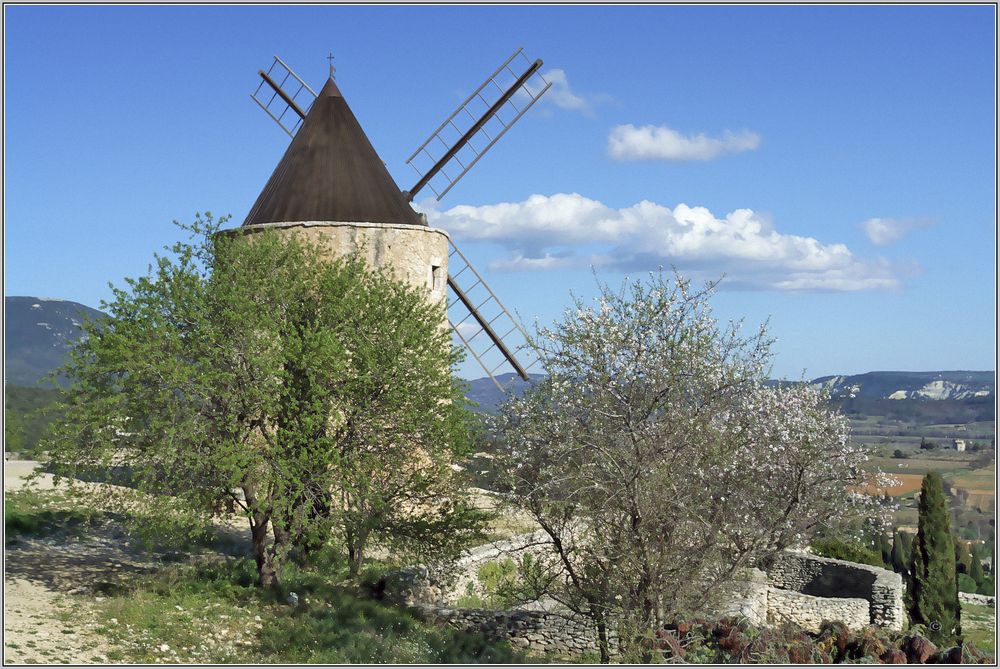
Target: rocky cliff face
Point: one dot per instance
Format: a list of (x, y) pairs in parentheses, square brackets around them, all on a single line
[(948, 385)]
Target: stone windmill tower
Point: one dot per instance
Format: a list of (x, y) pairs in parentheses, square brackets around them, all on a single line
[(332, 189)]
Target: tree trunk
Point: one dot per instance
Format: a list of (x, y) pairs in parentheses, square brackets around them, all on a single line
[(355, 556), (602, 640), (266, 573)]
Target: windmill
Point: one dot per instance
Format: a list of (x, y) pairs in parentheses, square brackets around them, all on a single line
[(331, 178)]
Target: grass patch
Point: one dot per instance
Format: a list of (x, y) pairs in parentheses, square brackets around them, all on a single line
[(213, 613), (37, 514), (979, 626)]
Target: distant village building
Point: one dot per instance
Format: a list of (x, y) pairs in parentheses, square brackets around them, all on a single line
[(960, 445)]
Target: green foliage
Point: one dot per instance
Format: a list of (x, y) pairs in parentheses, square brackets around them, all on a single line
[(506, 583), (987, 587), (850, 550), (967, 584), (31, 513), (899, 455), (885, 548), (27, 414), (933, 586), (13, 430), (963, 560), (900, 555), (249, 375)]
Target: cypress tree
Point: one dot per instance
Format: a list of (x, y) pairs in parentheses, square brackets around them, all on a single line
[(933, 576), (976, 569), (899, 554), (886, 549), (962, 562)]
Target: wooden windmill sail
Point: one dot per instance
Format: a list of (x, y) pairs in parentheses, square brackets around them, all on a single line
[(330, 171)]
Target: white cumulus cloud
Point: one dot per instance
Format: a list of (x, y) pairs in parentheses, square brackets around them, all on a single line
[(885, 231), (652, 142), (568, 230), (561, 95)]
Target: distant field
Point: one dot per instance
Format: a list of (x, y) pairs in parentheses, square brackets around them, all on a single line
[(976, 479), (980, 486), (917, 465), (977, 487), (907, 484)]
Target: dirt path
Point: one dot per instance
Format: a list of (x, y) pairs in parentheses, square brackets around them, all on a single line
[(42, 622), (52, 583), (46, 627)]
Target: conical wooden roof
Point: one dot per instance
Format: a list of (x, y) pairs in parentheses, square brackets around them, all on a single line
[(330, 172)]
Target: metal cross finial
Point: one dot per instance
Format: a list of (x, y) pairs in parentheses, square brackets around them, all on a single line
[(332, 68)]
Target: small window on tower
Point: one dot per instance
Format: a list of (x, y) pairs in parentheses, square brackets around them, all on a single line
[(437, 278)]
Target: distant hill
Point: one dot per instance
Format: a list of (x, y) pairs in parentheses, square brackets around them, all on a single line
[(38, 334), (958, 385), (488, 397), (871, 386)]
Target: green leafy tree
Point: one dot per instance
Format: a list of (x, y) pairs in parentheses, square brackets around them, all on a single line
[(933, 588), (249, 375), (966, 583), (13, 430)]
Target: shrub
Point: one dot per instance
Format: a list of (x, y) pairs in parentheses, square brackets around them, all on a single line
[(966, 583), (851, 551)]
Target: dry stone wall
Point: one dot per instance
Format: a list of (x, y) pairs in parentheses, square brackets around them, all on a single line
[(747, 599), (535, 630), (796, 587), (973, 598), (808, 611), (838, 579)]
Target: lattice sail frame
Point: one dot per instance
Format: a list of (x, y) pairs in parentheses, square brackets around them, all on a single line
[(494, 337), (280, 97), (452, 148)]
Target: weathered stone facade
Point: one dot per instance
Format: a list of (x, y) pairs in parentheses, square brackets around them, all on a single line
[(416, 254)]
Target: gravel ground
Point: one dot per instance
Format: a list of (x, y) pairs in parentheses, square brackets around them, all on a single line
[(43, 626), (46, 618), (51, 583)]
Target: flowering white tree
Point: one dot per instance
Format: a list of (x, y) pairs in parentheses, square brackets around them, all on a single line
[(657, 462)]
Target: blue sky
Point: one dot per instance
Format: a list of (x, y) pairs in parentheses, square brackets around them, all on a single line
[(836, 164)]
